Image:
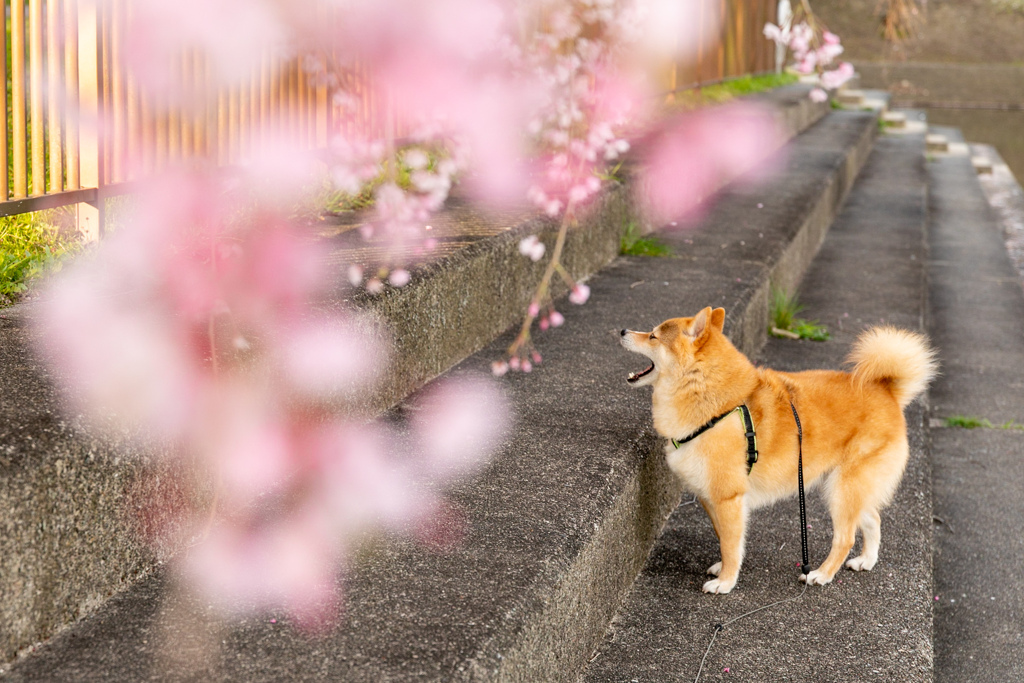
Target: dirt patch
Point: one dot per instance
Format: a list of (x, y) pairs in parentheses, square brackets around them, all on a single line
[(968, 31)]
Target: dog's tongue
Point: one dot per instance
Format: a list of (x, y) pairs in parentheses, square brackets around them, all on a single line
[(634, 376)]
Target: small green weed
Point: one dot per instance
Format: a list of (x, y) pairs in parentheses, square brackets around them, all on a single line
[(784, 308), (391, 170), (31, 245), (810, 329), (728, 90), (973, 422), (635, 244), (612, 174)]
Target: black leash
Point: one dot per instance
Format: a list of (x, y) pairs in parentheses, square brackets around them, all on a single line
[(806, 566)]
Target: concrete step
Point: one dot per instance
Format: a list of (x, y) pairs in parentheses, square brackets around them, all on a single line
[(561, 521), (977, 320), (864, 626), (66, 499)]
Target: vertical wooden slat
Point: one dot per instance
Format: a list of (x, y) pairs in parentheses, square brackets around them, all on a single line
[(243, 120), (294, 128), (5, 193), (147, 130), (71, 92), (20, 132), (255, 105), (322, 113), (174, 146), (133, 144), (222, 128), (188, 107), (172, 114), (201, 133), (212, 115), (118, 113), (160, 133), (106, 92), (90, 220), (232, 121), (53, 63), (264, 89), (37, 120), (274, 121)]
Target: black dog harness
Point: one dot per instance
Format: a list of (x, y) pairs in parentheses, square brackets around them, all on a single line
[(748, 425)]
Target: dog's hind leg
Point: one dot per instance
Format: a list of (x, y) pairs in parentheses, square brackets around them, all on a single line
[(871, 529), (730, 519)]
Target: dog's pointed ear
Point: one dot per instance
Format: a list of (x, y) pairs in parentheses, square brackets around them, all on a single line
[(700, 324), (718, 319)]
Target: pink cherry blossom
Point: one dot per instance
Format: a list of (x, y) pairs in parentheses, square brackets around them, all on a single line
[(456, 422), (532, 247), (694, 155), (399, 277), (777, 34), (838, 76), (557, 319), (818, 95), (579, 294)]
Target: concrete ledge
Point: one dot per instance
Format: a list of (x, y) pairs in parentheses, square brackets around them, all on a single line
[(68, 504), (564, 518)]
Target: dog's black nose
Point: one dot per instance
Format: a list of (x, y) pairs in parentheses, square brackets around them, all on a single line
[(622, 333)]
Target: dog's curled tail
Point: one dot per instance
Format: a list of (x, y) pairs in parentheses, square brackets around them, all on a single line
[(900, 359)]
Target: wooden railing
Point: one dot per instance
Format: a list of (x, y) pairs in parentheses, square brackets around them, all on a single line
[(79, 129)]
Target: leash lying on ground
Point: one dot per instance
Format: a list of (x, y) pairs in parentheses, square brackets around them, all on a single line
[(805, 566)]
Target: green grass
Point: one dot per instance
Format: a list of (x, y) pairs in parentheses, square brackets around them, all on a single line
[(731, 89), (783, 311), (633, 243), (973, 422), (338, 202), (32, 245)]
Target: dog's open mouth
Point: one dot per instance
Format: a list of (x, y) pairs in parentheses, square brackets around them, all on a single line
[(634, 376)]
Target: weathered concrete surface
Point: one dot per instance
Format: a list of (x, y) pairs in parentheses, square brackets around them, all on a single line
[(865, 626), (559, 524), (72, 507), (977, 319), (69, 505), (920, 84)]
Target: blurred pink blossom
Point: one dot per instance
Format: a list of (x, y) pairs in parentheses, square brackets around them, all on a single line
[(818, 95), (532, 247), (698, 153), (579, 294), (831, 80), (454, 424), (197, 330)]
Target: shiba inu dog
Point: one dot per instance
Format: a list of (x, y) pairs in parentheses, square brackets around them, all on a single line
[(854, 433)]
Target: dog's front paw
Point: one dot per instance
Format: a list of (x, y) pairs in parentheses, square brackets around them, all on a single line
[(719, 586), (862, 564), (816, 578), (715, 569)]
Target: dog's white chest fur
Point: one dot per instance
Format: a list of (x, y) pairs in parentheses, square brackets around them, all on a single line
[(689, 464)]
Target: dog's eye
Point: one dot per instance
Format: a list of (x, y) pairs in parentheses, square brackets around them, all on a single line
[(652, 336)]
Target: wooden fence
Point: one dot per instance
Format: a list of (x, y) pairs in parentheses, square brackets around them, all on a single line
[(78, 129)]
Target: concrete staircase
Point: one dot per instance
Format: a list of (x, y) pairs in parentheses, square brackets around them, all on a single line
[(570, 570)]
